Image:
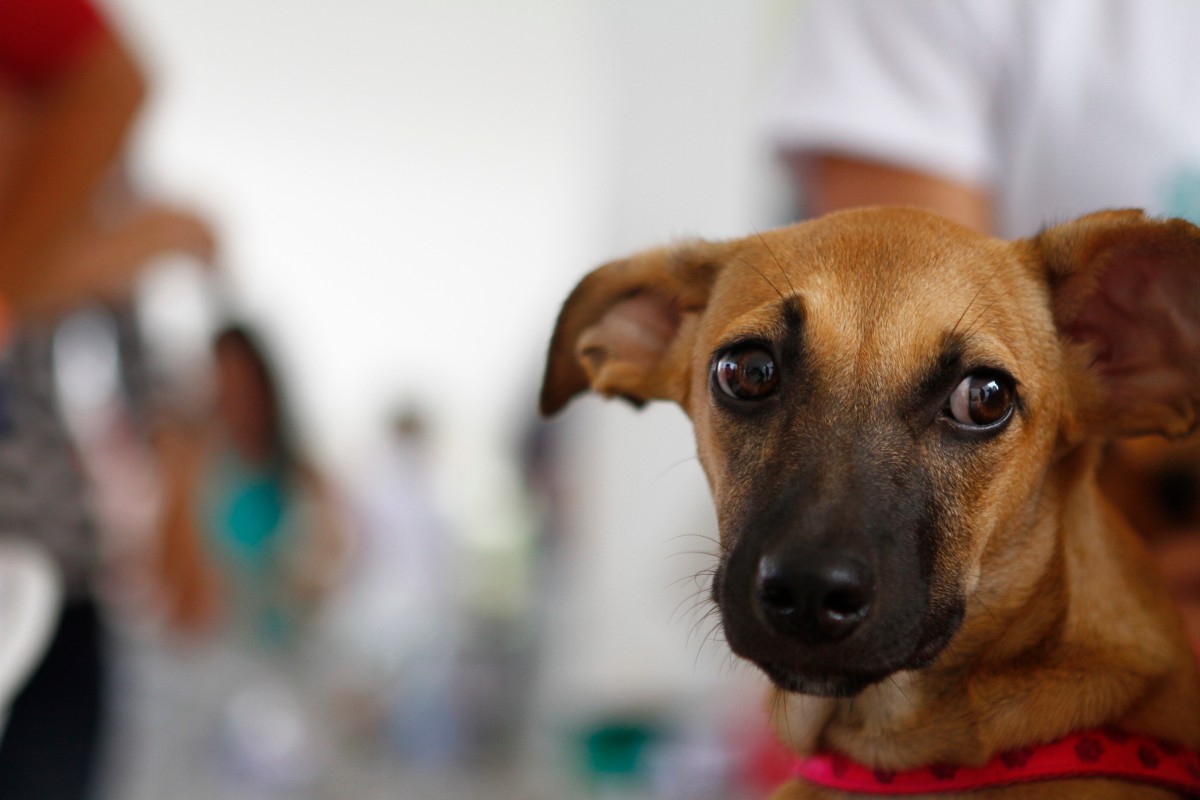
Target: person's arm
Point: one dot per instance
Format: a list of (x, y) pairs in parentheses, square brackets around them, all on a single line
[(894, 103), (321, 563), (832, 182), (80, 121), (190, 588), (95, 261)]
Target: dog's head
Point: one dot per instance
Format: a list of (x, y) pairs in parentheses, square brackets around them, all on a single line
[(878, 396)]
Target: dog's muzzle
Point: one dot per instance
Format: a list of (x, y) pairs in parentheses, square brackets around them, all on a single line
[(828, 621)]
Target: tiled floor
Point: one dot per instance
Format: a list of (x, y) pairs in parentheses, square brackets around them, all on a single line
[(193, 726), (170, 741)]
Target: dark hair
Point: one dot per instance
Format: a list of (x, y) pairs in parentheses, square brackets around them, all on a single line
[(242, 338)]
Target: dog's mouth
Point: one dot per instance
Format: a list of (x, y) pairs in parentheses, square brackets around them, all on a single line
[(849, 681), (841, 685), (933, 645), (882, 648)]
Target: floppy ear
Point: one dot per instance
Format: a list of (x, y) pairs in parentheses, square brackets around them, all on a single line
[(622, 330), (1128, 287)]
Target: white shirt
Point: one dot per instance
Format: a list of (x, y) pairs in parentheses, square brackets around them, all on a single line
[(1057, 107), (30, 599)]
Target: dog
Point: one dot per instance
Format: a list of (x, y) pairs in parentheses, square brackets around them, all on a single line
[(901, 422), (1156, 487)]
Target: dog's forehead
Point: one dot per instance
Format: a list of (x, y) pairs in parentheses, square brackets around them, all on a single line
[(879, 285)]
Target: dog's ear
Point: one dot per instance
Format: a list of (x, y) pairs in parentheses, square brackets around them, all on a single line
[(1128, 287), (620, 332)]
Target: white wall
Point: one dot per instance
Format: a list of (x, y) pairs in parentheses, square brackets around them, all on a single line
[(406, 190), (396, 183), (691, 162)]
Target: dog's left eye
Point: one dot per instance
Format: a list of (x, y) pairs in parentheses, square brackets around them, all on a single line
[(982, 400), (746, 372)]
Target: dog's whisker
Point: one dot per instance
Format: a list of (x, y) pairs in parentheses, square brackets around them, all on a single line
[(698, 602), (708, 615), (696, 577), (692, 601), (971, 327), (705, 537), (676, 465), (978, 292), (709, 638), (697, 599), (782, 271), (896, 684), (978, 318), (743, 262), (995, 617), (731, 665), (701, 553)]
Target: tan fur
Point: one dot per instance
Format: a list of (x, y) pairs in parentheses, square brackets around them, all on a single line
[(1066, 627)]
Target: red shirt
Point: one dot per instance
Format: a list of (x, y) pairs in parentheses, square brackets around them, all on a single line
[(40, 38)]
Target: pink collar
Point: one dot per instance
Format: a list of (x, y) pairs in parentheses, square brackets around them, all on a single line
[(1103, 753)]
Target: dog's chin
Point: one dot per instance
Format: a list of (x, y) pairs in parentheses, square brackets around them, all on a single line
[(845, 683), (820, 685)]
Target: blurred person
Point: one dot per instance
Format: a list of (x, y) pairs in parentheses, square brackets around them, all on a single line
[(69, 91), (1007, 117), (396, 617), (1003, 116), (251, 545), (32, 594), (250, 542)]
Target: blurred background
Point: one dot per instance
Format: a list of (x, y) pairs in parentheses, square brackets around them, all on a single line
[(399, 197)]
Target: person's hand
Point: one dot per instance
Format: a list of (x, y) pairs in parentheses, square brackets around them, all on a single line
[(101, 262), (117, 251), (160, 230)]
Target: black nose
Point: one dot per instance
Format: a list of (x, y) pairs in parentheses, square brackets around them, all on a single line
[(819, 597)]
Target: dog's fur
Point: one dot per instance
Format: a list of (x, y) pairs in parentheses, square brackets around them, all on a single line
[(1001, 602)]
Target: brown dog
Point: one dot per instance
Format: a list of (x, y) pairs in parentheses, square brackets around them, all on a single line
[(900, 421)]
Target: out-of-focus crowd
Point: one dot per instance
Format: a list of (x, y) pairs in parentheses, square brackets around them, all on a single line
[(189, 607)]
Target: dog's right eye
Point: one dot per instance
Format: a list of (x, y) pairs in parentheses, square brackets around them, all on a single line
[(746, 372)]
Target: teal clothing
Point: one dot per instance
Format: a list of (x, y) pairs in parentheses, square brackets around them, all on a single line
[(252, 531)]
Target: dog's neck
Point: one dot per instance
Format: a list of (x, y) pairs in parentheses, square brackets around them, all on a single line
[(999, 684)]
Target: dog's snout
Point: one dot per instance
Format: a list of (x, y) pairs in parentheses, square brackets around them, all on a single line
[(820, 598)]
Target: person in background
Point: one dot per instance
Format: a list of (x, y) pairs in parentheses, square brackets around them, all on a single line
[(396, 620), (31, 601), (1003, 116), (1007, 117), (251, 541), (70, 90), (251, 545)]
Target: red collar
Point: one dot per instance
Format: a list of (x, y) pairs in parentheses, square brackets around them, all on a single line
[(1103, 753)]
